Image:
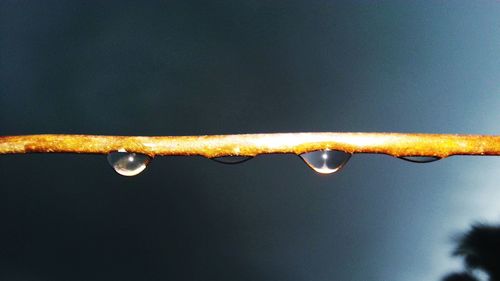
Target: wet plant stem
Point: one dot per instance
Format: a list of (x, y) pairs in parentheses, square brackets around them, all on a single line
[(395, 144)]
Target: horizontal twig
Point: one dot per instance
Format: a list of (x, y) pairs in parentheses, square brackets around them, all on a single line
[(395, 144)]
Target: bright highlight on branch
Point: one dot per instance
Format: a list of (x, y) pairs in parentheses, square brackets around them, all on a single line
[(323, 152)]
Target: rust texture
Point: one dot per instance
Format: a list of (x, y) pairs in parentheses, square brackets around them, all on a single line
[(395, 144)]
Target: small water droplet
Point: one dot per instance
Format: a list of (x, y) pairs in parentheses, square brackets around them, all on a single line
[(420, 159), (326, 161), (231, 159), (128, 164)]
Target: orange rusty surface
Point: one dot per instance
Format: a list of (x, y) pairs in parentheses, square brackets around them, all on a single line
[(395, 144)]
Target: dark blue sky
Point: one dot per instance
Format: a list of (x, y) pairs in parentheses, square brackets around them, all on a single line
[(184, 67)]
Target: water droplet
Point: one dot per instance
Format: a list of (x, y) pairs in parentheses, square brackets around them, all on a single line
[(231, 159), (326, 161), (128, 164), (420, 159)]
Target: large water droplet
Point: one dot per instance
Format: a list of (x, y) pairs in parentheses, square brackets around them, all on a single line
[(326, 161), (128, 164), (231, 159), (420, 159)]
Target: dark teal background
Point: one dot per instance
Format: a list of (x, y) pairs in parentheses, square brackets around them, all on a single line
[(211, 67)]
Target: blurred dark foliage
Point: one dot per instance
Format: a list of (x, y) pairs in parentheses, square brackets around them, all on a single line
[(480, 250), (463, 276)]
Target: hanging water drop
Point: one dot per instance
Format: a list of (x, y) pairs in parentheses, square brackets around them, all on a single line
[(420, 159), (231, 159), (326, 161), (128, 164)]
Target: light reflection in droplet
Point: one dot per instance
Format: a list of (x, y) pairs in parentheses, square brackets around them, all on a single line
[(326, 161), (128, 164)]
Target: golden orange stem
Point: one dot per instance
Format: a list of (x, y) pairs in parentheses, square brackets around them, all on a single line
[(395, 144)]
